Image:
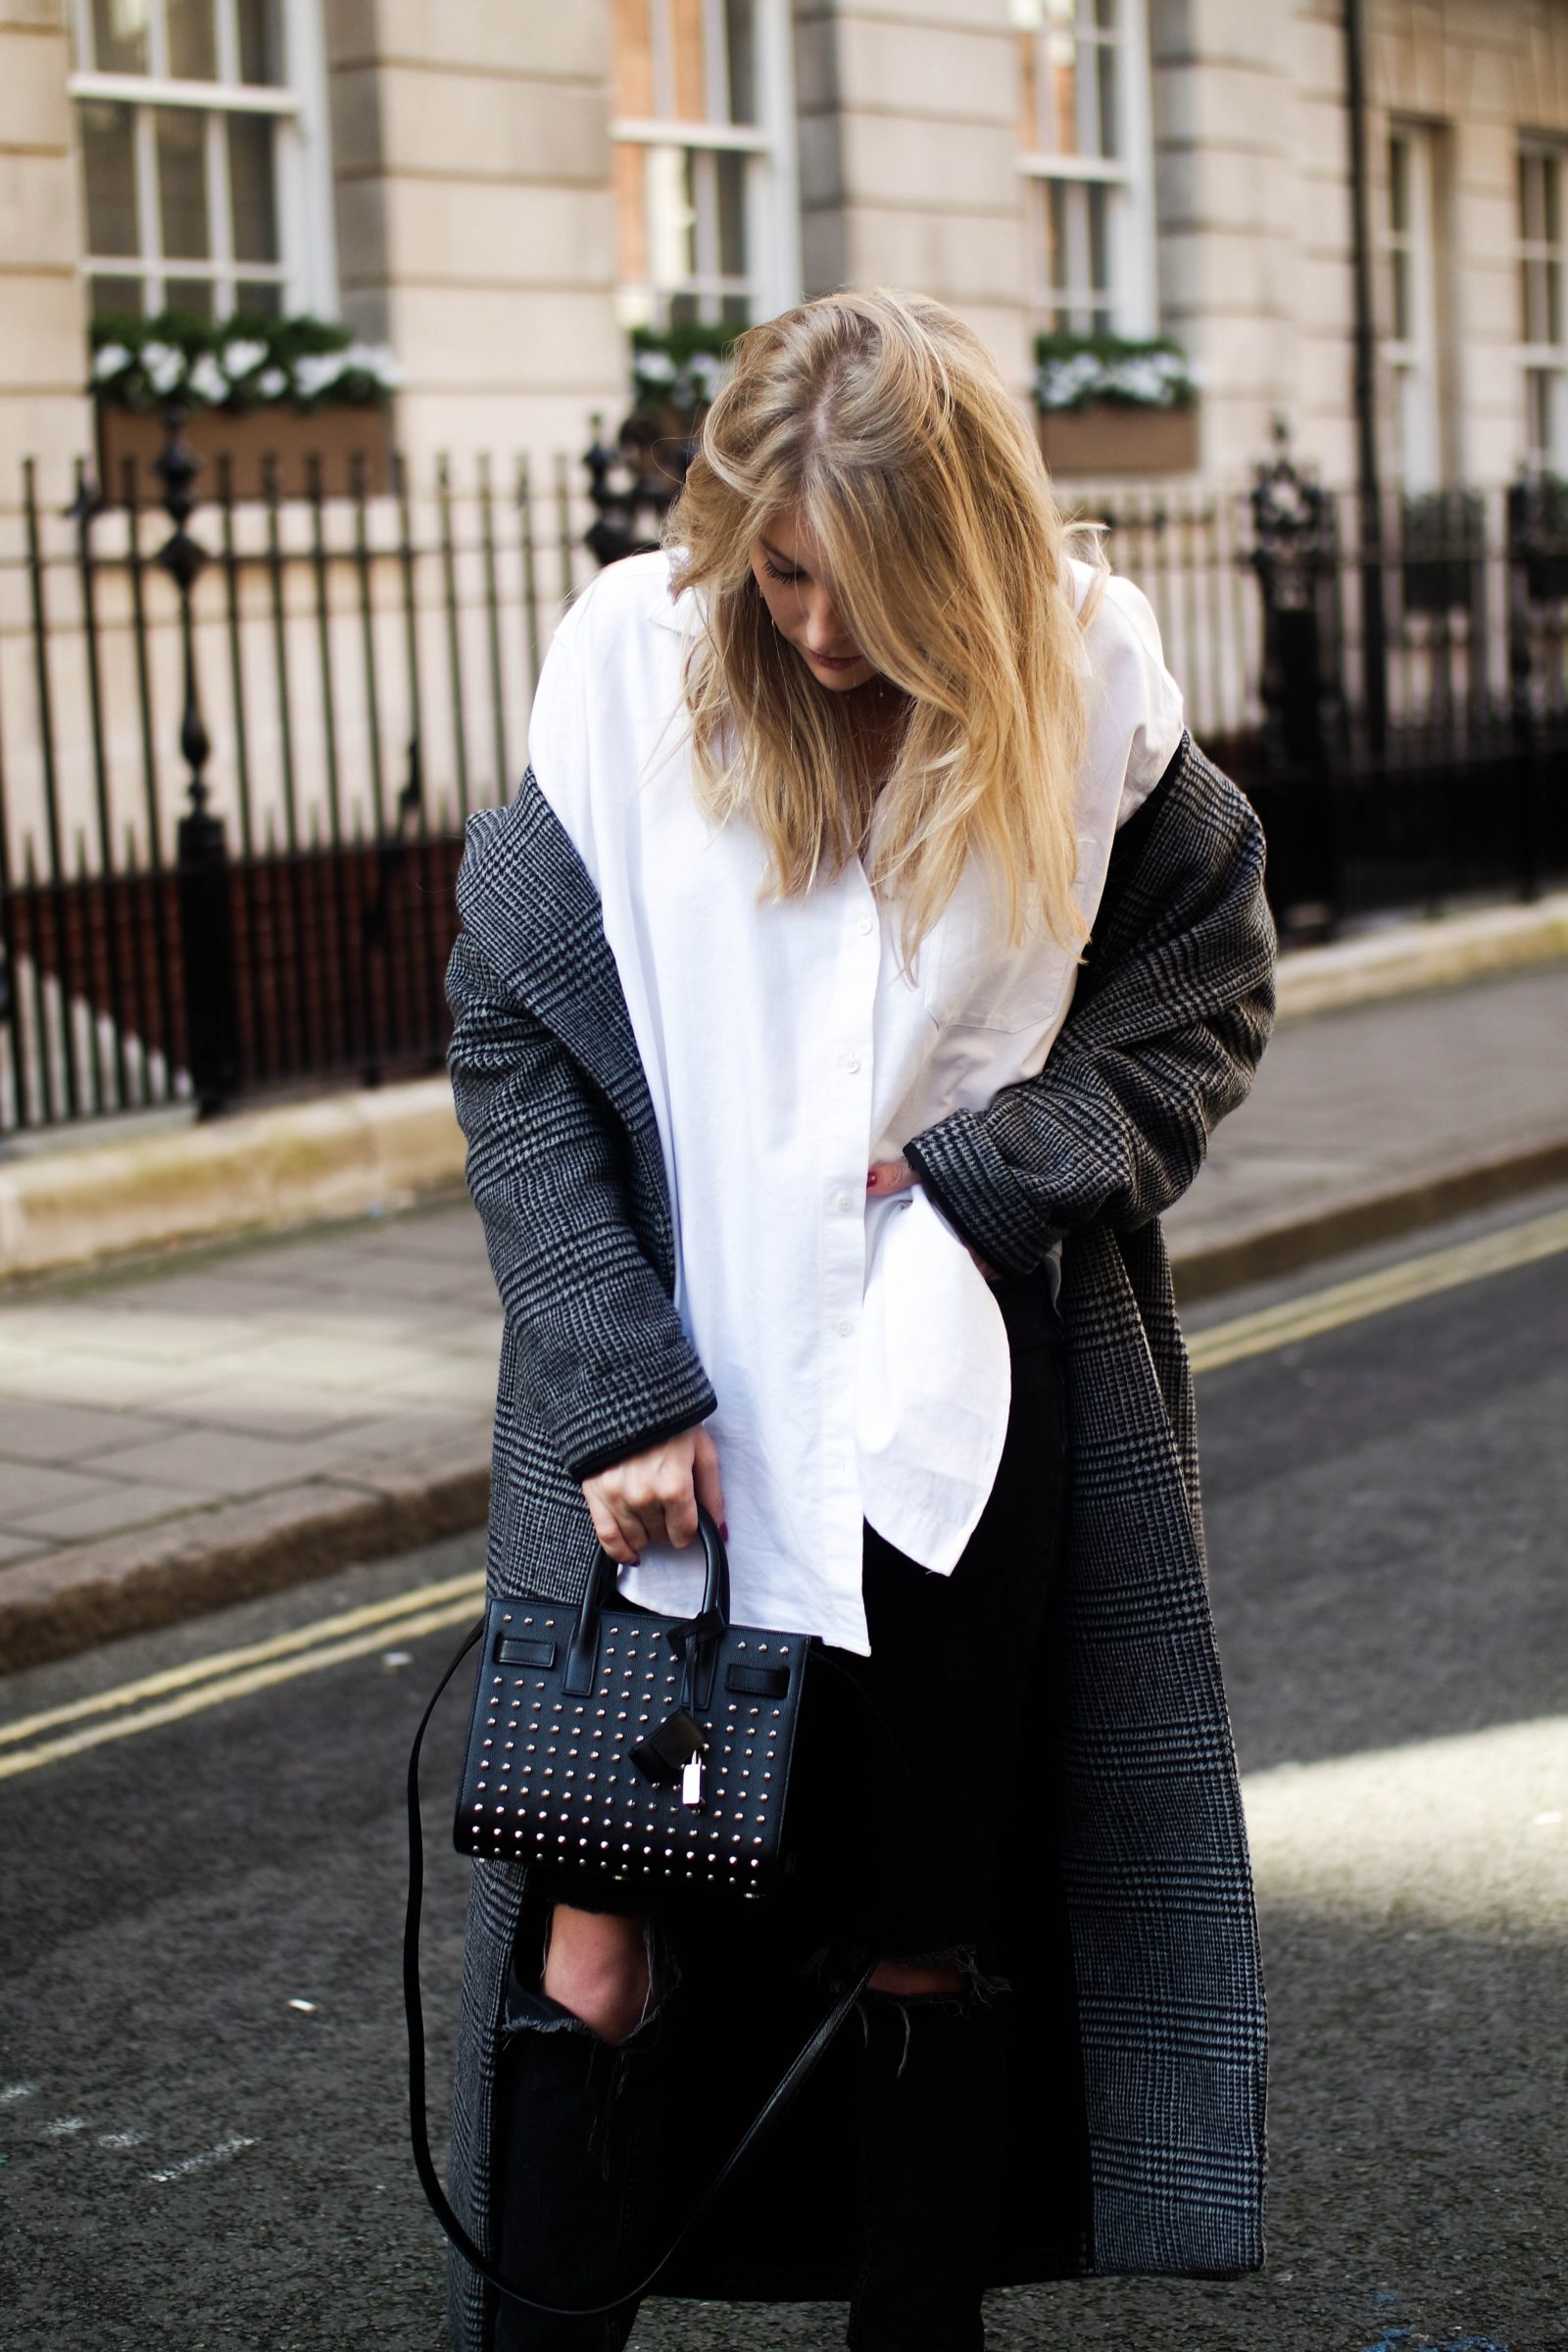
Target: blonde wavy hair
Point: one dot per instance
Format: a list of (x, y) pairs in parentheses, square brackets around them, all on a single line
[(880, 420)]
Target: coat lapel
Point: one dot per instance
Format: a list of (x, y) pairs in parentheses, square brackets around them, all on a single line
[(529, 902)]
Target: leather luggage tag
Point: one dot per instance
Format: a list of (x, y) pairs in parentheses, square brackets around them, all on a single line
[(662, 1757)]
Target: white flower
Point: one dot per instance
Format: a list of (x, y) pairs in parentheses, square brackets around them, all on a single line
[(242, 356), (655, 367), (271, 384), (1136, 379), (373, 360), (110, 360), (164, 365), (1064, 381), (316, 371), (1146, 379), (207, 381)]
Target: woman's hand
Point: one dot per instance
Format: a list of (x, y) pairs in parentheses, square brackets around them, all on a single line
[(897, 1176), (652, 1497)]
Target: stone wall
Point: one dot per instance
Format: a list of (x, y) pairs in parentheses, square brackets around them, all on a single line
[(475, 220), (476, 231), (43, 352), (908, 142), (1253, 239), (1487, 69), (1253, 208)]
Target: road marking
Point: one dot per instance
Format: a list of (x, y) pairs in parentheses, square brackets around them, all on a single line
[(1296, 1319), (204, 2157), (468, 1588), (231, 1686), (179, 1692)]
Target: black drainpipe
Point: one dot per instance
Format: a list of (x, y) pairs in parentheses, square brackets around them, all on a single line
[(1374, 636)]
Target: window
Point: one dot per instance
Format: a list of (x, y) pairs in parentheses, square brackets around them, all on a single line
[(705, 177), (1410, 244), (203, 162), (1540, 272), (1085, 152)]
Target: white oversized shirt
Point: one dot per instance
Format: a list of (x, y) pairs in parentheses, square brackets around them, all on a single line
[(858, 1354)]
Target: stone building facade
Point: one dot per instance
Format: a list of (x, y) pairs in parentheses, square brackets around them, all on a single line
[(499, 189)]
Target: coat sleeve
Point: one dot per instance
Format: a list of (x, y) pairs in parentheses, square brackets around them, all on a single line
[(1174, 1009), (610, 1367)]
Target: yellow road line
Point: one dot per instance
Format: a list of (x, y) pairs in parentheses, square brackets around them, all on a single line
[(385, 1614), (235, 1686), (1374, 1294), (181, 1690)]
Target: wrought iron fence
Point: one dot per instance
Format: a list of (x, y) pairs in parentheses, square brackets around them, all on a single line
[(1413, 691), (235, 756), (238, 740)]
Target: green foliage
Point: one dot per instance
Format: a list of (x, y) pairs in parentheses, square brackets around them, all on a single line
[(244, 361), (678, 367)]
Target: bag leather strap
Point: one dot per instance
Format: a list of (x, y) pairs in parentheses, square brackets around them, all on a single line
[(772, 2106)]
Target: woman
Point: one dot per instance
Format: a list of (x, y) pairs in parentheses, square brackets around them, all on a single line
[(821, 1166)]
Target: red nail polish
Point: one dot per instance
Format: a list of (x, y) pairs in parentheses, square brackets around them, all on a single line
[(870, 1182), (723, 1529)]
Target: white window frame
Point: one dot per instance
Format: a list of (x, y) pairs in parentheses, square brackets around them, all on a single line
[(1547, 361), (772, 282), (1128, 175), (306, 270), (1414, 359)]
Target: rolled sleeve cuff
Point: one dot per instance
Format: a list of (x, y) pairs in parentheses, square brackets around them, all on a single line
[(636, 1438), (621, 1404), (979, 1195)]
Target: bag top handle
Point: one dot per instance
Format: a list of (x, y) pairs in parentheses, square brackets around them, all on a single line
[(700, 1631)]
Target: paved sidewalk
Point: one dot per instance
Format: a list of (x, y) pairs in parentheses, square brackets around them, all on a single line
[(1367, 1122), (221, 1425)]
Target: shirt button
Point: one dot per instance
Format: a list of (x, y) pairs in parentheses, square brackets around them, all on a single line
[(845, 1200), (852, 1061), (865, 923), (846, 1327)]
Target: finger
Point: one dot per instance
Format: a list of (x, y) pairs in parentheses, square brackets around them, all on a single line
[(607, 1529), (637, 1527), (705, 1479), (890, 1176), (680, 1515)]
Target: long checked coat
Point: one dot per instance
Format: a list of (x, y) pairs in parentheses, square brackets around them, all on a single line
[(1129, 1808)]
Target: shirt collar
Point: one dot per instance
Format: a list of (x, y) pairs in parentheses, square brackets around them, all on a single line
[(670, 613)]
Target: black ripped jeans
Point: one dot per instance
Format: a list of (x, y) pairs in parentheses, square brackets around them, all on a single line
[(921, 1743)]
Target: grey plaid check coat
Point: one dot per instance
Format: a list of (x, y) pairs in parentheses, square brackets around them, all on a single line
[(1147, 1844)]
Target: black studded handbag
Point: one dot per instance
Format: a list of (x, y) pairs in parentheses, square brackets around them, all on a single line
[(633, 1746), (635, 1749)]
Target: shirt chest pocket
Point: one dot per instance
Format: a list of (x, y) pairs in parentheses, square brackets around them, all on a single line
[(970, 977)]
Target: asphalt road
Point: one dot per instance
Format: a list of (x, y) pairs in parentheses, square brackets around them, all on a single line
[(202, 2109)]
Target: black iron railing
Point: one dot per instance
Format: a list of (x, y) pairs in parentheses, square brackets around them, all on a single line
[(1417, 762), (235, 760), (237, 747)]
